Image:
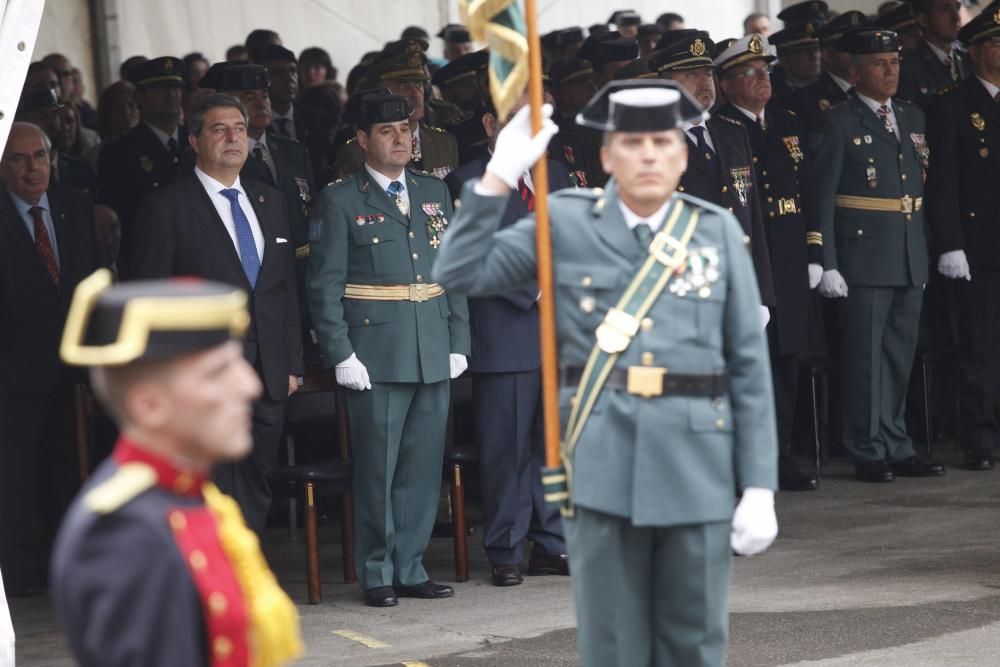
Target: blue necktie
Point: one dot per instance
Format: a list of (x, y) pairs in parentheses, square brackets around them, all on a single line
[(699, 131), (244, 237), (395, 191)]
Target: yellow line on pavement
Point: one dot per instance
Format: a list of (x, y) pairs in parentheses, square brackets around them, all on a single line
[(361, 639)]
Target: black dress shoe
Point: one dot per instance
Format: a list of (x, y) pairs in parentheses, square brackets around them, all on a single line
[(507, 575), (980, 459), (428, 590), (541, 564), (383, 596), (914, 467), (875, 472), (797, 481)]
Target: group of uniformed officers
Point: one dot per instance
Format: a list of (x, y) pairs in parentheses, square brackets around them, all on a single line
[(704, 193)]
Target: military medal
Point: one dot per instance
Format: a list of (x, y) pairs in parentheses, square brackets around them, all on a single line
[(699, 272), (741, 183), (920, 145), (978, 122), (569, 155), (792, 146), (304, 194), (870, 174), (436, 222)]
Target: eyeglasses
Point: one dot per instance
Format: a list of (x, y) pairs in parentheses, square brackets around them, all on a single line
[(20, 159), (750, 73)]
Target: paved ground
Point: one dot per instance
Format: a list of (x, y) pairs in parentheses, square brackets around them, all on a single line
[(862, 575)]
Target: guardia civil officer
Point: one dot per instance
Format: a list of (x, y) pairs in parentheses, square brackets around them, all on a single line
[(402, 68), (153, 565), (681, 411), (869, 201), (937, 63), (963, 132), (394, 339), (795, 250)]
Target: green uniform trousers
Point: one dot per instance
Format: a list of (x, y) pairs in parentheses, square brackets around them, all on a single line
[(879, 340), (649, 595), (397, 434)]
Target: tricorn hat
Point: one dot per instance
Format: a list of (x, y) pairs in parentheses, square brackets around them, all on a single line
[(149, 320), (640, 105)]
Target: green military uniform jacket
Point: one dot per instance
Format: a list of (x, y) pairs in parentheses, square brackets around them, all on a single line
[(358, 236), (439, 154), (856, 156), (661, 461)]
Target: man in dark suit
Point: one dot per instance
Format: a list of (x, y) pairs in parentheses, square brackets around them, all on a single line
[(506, 385), (937, 64), (274, 160), (212, 224), (796, 252), (720, 161), (963, 132), (145, 158), (309, 126), (48, 243)]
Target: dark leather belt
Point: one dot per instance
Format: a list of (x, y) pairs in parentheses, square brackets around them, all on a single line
[(649, 381)]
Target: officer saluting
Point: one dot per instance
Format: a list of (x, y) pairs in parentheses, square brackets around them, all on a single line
[(868, 187), (683, 412), (153, 565), (395, 339)]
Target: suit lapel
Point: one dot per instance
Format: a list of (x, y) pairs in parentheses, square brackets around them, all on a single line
[(209, 217), (15, 225), (263, 205), (697, 159), (64, 233)]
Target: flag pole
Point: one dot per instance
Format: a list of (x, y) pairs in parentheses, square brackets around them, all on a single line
[(543, 246)]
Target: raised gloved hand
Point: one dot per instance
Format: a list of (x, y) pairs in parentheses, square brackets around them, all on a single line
[(754, 524), (832, 284), (351, 373), (458, 363), (815, 275), (954, 264), (516, 150), (765, 316)]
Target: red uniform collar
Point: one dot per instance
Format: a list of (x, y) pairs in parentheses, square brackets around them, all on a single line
[(168, 476)]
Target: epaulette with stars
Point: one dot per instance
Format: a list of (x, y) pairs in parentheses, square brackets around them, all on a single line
[(729, 120)]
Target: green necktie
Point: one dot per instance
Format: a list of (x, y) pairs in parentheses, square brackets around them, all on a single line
[(643, 234)]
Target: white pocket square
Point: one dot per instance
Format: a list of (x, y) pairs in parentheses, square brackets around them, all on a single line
[(280, 240)]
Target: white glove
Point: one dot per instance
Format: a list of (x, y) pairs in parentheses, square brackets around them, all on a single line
[(765, 316), (954, 264), (516, 150), (754, 524), (351, 373), (832, 284), (458, 363), (815, 275)]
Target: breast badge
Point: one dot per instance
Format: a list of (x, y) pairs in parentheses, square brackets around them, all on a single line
[(436, 222), (792, 146), (978, 122), (742, 183)]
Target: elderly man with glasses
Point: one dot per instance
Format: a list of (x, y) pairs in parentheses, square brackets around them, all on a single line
[(795, 251)]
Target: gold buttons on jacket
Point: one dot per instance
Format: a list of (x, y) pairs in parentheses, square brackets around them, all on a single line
[(903, 177), (375, 240), (222, 646), (420, 278), (646, 324), (586, 281), (416, 256), (972, 214), (412, 235), (177, 520), (861, 232), (725, 189), (183, 483), (720, 423), (197, 559), (217, 604), (647, 359), (367, 321)]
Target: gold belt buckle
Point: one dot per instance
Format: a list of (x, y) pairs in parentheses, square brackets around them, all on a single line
[(645, 381), (418, 292), (786, 206), (906, 204), (658, 249)]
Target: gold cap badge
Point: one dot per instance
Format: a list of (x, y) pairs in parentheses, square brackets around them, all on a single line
[(756, 46), (697, 48)]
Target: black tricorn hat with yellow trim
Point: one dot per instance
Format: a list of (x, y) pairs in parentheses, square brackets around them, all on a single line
[(150, 320), (640, 105)]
